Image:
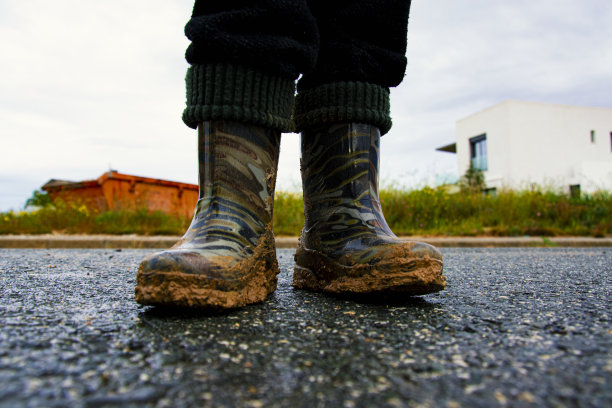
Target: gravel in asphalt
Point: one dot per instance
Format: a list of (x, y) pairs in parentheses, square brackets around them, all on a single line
[(515, 327)]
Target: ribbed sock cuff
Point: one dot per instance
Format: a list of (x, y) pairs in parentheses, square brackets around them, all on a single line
[(230, 92), (358, 102)]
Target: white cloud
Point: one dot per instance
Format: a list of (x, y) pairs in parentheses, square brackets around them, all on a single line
[(89, 84), (86, 84)]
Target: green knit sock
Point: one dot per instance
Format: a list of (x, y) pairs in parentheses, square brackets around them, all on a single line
[(358, 102), (230, 92)]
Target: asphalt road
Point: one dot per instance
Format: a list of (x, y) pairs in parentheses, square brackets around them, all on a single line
[(516, 327)]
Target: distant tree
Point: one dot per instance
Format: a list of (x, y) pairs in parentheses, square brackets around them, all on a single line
[(472, 181), (38, 199)]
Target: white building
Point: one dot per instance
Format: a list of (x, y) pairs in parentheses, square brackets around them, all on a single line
[(518, 143)]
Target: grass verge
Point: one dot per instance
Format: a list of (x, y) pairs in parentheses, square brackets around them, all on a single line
[(426, 211)]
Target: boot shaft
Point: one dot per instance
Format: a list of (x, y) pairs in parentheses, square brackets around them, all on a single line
[(340, 158), (238, 163), (339, 167), (237, 176)]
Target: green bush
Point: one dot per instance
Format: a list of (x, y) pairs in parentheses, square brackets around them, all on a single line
[(38, 199), (288, 213), (430, 211), (73, 218)]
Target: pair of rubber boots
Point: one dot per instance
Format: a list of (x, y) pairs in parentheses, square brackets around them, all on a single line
[(227, 257)]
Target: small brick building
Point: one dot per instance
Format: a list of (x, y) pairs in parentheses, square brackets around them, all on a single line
[(117, 191)]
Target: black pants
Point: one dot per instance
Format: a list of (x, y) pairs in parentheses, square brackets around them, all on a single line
[(331, 43)]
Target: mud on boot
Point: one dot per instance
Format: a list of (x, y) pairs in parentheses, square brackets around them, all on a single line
[(227, 257), (346, 246)]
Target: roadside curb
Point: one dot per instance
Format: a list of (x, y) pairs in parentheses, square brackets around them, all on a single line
[(146, 242)]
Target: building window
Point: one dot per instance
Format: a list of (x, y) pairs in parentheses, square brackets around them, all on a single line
[(478, 152), (592, 136)]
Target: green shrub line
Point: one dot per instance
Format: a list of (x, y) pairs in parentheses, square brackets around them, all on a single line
[(78, 219), (433, 211), (426, 211)]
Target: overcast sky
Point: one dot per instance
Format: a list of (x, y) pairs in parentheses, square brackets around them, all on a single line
[(86, 85)]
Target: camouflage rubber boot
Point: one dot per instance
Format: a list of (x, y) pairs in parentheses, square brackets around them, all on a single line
[(346, 246), (227, 257)]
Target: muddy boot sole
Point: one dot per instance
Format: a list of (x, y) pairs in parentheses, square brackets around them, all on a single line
[(180, 289), (412, 277)]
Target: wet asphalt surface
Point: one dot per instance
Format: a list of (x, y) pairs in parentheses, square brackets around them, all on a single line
[(515, 327)]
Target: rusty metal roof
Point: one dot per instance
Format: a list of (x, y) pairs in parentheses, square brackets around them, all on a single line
[(56, 185)]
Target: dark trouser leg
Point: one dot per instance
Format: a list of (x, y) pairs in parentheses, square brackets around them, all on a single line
[(362, 54), (245, 57)]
